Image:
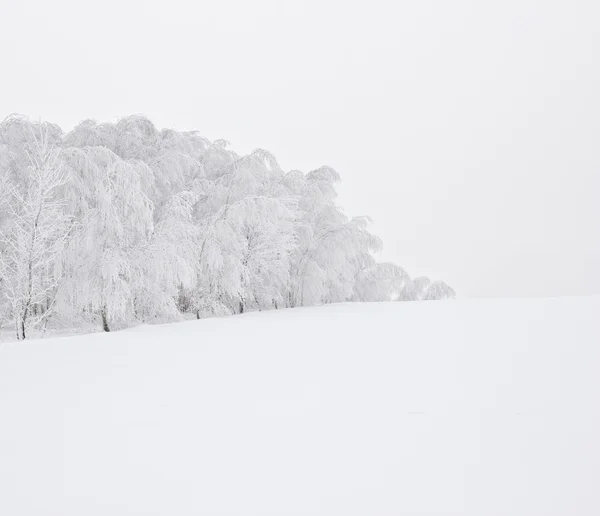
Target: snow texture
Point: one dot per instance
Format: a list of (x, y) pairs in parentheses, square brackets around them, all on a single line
[(450, 408)]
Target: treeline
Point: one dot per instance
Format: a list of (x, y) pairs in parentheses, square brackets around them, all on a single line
[(118, 223)]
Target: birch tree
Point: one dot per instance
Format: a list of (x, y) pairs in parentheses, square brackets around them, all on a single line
[(35, 237)]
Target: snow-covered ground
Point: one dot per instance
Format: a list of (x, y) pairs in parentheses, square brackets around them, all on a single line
[(474, 408)]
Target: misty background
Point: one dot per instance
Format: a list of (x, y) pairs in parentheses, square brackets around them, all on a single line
[(467, 130)]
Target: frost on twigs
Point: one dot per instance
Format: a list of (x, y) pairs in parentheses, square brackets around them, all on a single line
[(35, 231)]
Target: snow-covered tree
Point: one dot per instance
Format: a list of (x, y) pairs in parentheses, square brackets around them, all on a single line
[(439, 290), (110, 200), (422, 289), (381, 282), (166, 266), (248, 236), (415, 289), (332, 248), (35, 236)]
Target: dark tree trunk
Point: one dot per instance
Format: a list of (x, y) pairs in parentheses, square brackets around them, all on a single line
[(105, 326)]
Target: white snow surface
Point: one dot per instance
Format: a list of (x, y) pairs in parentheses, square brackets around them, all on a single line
[(483, 407)]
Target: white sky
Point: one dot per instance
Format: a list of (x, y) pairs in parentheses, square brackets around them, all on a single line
[(468, 130)]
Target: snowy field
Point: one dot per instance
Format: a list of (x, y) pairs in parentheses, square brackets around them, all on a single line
[(473, 408)]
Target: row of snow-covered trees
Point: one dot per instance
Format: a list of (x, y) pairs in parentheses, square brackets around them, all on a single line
[(118, 223)]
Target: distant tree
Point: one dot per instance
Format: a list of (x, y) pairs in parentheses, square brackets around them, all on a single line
[(439, 290), (422, 289), (381, 282), (415, 289)]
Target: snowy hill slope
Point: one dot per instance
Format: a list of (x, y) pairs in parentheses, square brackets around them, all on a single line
[(464, 408)]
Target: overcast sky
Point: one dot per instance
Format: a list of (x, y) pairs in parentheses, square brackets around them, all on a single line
[(468, 130)]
